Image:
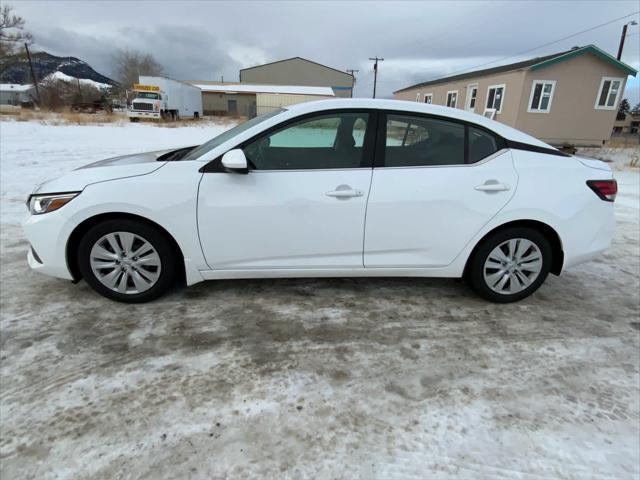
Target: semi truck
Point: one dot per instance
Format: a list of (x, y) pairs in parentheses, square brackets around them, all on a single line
[(162, 98)]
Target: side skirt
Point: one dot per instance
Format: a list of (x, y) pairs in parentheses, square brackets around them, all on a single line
[(446, 272)]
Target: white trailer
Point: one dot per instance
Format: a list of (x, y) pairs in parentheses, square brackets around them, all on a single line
[(164, 98)]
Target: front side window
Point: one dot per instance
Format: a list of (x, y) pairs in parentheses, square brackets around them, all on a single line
[(421, 141), (229, 134), (495, 97), (608, 93), (452, 99), (541, 96), (428, 98), (334, 140)]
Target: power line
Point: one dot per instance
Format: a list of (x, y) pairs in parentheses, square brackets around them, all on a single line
[(545, 44)]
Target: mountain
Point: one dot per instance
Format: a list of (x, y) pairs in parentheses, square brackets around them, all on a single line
[(15, 69)]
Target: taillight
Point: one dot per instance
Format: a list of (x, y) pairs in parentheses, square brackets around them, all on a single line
[(605, 189)]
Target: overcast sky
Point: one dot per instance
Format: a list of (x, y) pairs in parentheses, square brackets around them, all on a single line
[(418, 40)]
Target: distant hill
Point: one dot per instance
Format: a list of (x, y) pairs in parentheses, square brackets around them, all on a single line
[(15, 69)]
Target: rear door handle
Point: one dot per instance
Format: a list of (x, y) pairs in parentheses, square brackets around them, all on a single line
[(493, 187), (344, 191)]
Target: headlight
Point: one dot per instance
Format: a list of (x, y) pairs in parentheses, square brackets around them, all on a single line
[(46, 203)]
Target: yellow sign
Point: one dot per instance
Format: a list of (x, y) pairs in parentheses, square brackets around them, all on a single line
[(145, 88)]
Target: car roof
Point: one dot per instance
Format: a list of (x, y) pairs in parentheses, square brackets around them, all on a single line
[(501, 129)]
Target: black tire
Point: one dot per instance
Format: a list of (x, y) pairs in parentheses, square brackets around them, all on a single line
[(152, 235), (475, 268)]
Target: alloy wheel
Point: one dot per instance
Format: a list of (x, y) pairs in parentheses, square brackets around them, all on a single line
[(512, 266), (125, 262)]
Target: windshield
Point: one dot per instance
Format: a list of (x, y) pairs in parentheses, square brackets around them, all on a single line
[(149, 95), (229, 134)]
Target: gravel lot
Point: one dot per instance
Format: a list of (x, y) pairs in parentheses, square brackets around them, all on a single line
[(332, 378)]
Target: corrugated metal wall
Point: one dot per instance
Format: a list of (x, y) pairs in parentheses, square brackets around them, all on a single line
[(266, 102), (214, 103)]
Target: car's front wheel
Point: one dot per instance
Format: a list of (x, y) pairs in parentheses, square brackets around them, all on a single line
[(127, 261), (510, 264)]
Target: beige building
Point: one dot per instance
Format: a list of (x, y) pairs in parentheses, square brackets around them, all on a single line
[(251, 100), (299, 71), (568, 98)]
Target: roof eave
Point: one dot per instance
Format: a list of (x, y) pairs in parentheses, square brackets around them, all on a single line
[(587, 49)]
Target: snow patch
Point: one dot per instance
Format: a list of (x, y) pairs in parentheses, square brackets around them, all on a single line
[(620, 157), (63, 77)]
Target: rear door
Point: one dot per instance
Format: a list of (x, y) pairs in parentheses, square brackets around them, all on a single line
[(435, 185)]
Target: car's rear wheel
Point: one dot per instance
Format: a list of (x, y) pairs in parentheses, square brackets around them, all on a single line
[(510, 264), (127, 261)]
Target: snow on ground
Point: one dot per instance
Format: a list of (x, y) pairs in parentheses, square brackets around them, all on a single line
[(329, 378), (620, 158), (31, 152)]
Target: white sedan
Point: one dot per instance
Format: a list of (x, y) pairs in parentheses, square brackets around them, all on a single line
[(358, 188)]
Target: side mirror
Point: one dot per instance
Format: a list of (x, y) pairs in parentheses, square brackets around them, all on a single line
[(235, 161)]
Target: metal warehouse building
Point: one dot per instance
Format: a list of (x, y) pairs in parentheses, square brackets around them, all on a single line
[(299, 71), (252, 100)]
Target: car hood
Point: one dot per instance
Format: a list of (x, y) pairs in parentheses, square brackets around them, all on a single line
[(104, 170)]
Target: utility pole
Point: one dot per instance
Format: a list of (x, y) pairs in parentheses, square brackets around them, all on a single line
[(624, 34), (375, 72), (33, 75), (353, 80)]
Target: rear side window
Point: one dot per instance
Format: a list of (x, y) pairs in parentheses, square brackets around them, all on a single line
[(420, 141), (481, 145), (416, 141)]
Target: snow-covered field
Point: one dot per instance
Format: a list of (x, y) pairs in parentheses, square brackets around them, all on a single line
[(331, 378), (31, 152)]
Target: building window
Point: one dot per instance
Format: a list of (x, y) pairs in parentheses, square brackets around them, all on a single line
[(608, 93), (541, 96), (495, 97), (452, 99), (472, 95), (418, 97), (428, 98)]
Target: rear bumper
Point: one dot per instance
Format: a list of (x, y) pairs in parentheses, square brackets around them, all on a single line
[(592, 236)]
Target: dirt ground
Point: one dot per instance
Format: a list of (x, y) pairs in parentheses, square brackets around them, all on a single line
[(332, 378)]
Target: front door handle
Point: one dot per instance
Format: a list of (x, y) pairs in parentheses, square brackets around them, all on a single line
[(493, 187), (344, 191)]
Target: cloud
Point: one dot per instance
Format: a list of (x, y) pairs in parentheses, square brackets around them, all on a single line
[(419, 40)]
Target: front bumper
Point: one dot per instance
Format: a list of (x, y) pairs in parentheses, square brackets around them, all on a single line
[(144, 114), (47, 235)]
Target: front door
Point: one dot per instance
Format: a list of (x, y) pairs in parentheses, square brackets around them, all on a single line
[(302, 204), (430, 195)]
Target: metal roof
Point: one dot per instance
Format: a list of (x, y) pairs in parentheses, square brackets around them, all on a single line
[(295, 58), (533, 63), (278, 89)]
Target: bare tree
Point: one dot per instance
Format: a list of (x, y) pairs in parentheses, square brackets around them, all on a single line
[(130, 64), (12, 33)]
